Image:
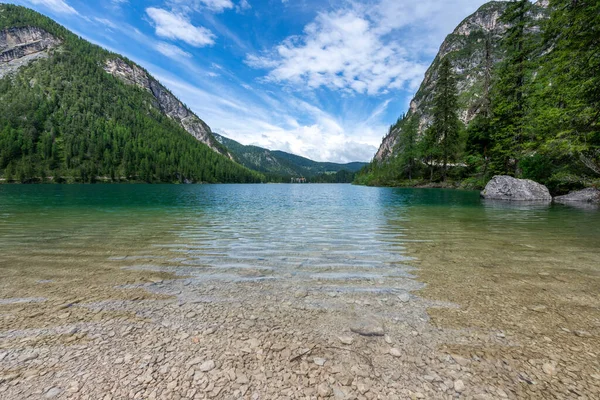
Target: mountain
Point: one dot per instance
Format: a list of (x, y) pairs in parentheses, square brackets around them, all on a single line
[(76, 112), (474, 47), (514, 90), (280, 163)]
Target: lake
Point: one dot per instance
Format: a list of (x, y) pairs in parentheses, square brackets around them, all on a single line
[(446, 271)]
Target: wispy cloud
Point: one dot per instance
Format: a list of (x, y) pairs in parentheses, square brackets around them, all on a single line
[(58, 6), (199, 5), (175, 26), (171, 51), (341, 51), (365, 48)]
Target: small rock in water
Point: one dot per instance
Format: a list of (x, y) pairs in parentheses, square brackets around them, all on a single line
[(459, 386), (368, 328), (300, 293), (346, 339), (320, 361), (539, 309), (210, 330), (388, 339), (324, 390), (52, 393), (207, 366), (395, 352), (549, 369), (404, 297)]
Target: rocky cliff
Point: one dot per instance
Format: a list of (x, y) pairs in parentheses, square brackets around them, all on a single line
[(165, 101), (21, 45), (473, 47)]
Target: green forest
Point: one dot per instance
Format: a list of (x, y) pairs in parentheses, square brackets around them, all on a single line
[(539, 111), (65, 119)]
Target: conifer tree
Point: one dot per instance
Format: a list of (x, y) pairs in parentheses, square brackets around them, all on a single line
[(510, 90), (408, 145), (446, 125), (571, 100)]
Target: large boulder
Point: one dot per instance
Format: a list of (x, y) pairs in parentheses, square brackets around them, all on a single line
[(504, 187), (588, 195)]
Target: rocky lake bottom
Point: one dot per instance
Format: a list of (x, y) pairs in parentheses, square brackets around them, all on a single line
[(294, 292)]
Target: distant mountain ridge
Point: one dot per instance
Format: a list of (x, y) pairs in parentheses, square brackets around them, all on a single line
[(278, 162)]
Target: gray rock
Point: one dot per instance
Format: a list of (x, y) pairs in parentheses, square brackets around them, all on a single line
[(320, 361), (502, 187), (459, 386), (404, 297), (368, 327), (588, 195), (52, 393), (346, 339), (207, 366)]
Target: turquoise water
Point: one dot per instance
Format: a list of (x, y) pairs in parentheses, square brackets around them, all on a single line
[(328, 233)]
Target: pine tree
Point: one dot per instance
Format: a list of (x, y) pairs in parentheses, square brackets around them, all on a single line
[(571, 106), (446, 124), (408, 145), (510, 90)]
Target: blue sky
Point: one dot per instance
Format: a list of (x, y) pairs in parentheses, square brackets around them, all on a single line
[(322, 79)]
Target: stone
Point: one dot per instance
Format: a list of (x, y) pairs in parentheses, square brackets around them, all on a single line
[(207, 366), (28, 357), (588, 195), (404, 297), (368, 327), (395, 352), (503, 187), (388, 339), (324, 390), (339, 393), (459, 386), (319, 361), (549, 369), (346, 339), (52, 393), (300, 293)]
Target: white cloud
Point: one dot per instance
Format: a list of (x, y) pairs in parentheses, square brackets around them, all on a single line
[(177, 26), (341, 51), (198, 5), (243, 5), (171, 51), (366, 48), (59, 6), (274, 125)]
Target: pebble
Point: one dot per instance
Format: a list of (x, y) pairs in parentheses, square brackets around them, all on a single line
[(459, 386), (404, 297), (300, 293), (346, 339), (549, 369), (320, 361), (369, 327), (395, 352), (52, 393), (207, 366)]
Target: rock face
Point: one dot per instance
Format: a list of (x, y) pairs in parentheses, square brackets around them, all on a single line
[(166, 102), (588, 195), (504, 187), (20, 46), (474, 47)]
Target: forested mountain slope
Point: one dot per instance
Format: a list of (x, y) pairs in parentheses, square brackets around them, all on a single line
[(280, 163), (72, 111), (524, 88)]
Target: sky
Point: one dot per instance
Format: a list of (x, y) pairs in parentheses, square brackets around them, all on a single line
[(323, 79)]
